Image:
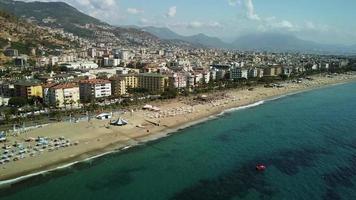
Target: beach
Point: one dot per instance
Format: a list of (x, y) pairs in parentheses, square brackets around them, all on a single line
[(89, 139)]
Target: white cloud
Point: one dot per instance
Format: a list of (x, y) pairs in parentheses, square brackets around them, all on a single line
[(234, 2), (251, 10), (285, 24), (134, 11), (172, 11), (144, 21), (195, 24), (215, 25)]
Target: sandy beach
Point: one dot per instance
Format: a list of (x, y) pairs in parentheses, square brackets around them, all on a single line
[(79, 141)]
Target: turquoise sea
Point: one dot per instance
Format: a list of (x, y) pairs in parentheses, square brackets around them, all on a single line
[(306, 140)]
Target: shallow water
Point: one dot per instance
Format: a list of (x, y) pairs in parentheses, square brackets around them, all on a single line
[(307, 141)]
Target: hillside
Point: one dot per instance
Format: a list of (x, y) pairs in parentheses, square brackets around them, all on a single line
[(23, 36), (52, 14), (62, 15), (199, 39)]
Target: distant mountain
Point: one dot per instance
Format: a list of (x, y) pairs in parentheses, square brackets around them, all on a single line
[(199, 39), (273, 42), (53, 14), (278, 42), (62, 15)]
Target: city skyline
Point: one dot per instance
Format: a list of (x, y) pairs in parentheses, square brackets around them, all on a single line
[(320, 21)]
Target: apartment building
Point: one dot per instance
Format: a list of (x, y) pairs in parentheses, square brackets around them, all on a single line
[(238, 73), (64, 95), (118, 86), (28, 88), (154, 83), (131, 80), (94, 89)]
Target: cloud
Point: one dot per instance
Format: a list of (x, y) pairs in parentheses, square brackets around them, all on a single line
[(134, 11), (144, 21), (172, 12), (196, 25), (234, 2), (250, 9)]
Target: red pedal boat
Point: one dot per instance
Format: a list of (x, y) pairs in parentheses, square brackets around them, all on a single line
[(261, 167)]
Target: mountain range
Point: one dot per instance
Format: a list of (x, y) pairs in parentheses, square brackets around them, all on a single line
[(270, 41), (62, 15), (199, 39)]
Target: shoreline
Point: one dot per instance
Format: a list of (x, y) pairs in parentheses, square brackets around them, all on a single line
[(121, 146)]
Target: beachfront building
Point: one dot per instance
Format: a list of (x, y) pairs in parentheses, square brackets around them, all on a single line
[(238, 73), (260, 72), (45, 92), (131, 80), (94, 89), (252, 73), (154, 83), (287, 71), (278, 70), (28, 88), (118, 86), (63, 95), (269, 71), (178, 80)]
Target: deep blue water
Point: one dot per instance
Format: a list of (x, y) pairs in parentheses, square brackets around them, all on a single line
[(307, 141)]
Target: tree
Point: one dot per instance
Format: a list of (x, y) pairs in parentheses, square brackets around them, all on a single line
[(283, 77), (170, 93), (18, 101)]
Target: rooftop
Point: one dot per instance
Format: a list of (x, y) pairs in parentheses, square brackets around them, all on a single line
[(94, 81)]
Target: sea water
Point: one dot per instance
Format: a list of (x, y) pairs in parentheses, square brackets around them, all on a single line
[(306, 140)]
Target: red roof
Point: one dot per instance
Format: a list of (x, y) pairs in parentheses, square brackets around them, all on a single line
[(49, 85)]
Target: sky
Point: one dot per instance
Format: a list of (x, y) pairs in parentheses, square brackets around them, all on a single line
[(323, 21)]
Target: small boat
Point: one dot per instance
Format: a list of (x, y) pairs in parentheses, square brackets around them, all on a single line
[(261, 167)]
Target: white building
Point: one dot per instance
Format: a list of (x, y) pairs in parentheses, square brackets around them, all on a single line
[(85, 65), (53, 60), (125, 55), (92, 52), (94, 89), (178, 80), (287, 71), (206, 76), (111, 62)]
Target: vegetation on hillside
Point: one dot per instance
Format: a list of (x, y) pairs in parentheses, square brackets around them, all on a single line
[(26, 36), (64, 15), (3, 42)]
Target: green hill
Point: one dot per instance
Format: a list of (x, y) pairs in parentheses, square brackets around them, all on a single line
[(61, 15)]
